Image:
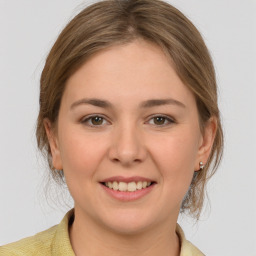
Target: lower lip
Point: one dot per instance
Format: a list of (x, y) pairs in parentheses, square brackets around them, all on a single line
[(128, 196)]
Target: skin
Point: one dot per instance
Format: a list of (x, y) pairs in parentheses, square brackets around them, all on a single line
[(127, 142)]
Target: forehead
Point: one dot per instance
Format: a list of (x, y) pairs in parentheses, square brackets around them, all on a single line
[(138, 70)]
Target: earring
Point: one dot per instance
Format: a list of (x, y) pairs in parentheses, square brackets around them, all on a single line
[(201, 166)]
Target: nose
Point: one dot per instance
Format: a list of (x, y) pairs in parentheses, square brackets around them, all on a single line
[(127, 146)]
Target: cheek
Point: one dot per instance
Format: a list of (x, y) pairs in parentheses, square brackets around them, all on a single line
[(175, 156), (81, 154)]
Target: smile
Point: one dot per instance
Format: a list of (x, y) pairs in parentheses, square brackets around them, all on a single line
[(127, 187)]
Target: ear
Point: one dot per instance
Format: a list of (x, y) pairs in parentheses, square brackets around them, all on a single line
[(206, 143), (54, 145)]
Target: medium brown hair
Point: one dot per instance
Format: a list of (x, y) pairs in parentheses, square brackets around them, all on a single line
[(115, 22)]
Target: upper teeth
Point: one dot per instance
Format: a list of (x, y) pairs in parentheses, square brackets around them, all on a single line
[(130, 186)]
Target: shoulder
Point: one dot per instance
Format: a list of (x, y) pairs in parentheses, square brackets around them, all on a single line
[(53, 241), (39, 244), (187, 248)]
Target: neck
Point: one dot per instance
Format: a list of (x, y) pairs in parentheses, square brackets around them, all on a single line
[(88, 238)]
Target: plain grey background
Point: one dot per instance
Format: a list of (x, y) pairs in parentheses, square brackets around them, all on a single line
[(28, 30)]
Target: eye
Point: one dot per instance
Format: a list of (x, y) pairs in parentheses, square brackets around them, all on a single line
[(161, 120), (94, 120)]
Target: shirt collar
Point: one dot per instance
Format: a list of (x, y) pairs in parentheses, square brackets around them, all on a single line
[(186, 248), (61, 243)]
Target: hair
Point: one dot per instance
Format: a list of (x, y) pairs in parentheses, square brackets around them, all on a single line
[(116, 22)]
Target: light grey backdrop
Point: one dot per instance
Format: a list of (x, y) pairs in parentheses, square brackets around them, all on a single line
[(28, 29)]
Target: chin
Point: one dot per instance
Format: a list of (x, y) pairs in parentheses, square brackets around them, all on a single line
[(129, 222)]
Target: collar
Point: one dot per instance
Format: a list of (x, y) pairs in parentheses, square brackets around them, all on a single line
[(61, 243), (186, 248)]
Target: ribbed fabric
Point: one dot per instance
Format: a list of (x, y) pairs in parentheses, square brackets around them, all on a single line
[(187, 249), (55, 242)]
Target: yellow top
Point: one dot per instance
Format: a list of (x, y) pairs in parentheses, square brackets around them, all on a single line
[(55, 241)]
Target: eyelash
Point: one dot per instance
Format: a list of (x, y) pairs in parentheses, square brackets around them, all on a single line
[(166, 118), (88, 118)]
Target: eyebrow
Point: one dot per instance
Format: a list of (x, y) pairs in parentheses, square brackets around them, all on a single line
[(145, 104), (159, 102), (94, 102)]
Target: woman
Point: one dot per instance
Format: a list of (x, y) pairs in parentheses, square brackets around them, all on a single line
[(129, 119)]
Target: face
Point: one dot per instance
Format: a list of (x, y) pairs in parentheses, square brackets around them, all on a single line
[(128, 138)]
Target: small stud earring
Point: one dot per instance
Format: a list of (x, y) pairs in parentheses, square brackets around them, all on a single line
[(201, 166)]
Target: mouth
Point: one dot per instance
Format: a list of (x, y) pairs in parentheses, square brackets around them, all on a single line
[(131, 186), (128, 188)]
